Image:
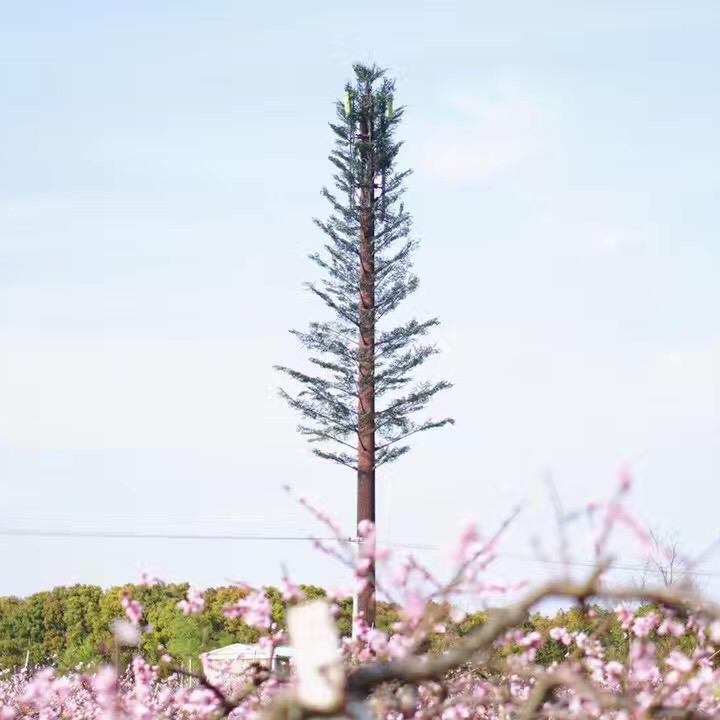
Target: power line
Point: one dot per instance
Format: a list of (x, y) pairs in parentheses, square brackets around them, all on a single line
[(151, 535), (129, 535), (611, 566)]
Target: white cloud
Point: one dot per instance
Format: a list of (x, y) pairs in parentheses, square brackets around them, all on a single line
[(96, 393), (684, 383), (607, 240), (486, 138), (591, 222)]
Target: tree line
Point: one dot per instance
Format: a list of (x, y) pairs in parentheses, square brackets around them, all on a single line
[(70, 625)]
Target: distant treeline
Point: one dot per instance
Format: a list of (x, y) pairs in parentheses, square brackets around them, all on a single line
[(71, 625)]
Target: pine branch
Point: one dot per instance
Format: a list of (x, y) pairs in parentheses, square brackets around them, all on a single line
[(340, 458), (428, 425), (367, 219)]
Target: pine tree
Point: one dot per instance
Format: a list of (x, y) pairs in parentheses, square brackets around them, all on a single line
[(367, 273)]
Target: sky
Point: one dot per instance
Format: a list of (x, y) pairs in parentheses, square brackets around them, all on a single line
[(160, 166)]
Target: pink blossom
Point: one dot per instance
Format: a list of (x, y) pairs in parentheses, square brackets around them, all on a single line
[(625, 479), (126, 633), (376, 640), (469, 537), (642, 662), (291, 591), (561, 634), (643, 626), (362, 567), (413, 609), (625, 616), (194, 602), (614, 669), (677, 660), (641, 681), (532, 639), (254, 609), (133, 609), (105, 685), (672, 627), (399, 646)]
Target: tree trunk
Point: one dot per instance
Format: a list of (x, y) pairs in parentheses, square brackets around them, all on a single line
[(366, 353)]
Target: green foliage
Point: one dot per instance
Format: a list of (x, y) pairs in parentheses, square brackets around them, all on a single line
[(386, 616), (71, 625)]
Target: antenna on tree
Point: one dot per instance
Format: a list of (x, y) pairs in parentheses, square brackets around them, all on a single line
[(360, 407)]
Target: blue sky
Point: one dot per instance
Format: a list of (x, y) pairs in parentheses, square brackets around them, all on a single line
[(160, 164)]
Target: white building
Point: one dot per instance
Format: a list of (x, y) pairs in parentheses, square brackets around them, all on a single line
[(226, 664)]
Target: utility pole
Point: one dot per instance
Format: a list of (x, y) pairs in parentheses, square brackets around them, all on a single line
[(366, 347), (358, 357)]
